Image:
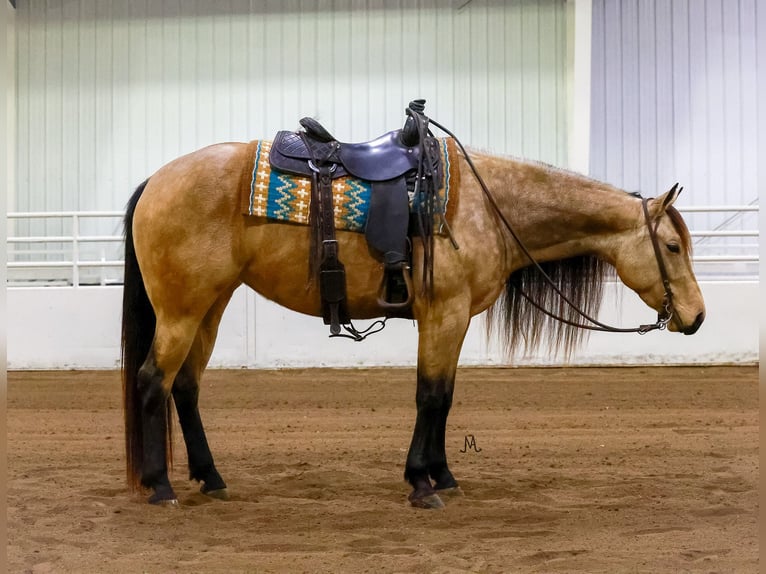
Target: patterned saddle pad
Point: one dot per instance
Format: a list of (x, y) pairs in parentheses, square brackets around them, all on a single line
[(283, 197)]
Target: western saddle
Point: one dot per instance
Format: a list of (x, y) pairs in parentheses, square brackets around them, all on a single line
[(401, 165)]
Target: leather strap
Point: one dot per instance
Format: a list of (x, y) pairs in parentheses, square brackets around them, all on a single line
[(332, 273), (668, 304)]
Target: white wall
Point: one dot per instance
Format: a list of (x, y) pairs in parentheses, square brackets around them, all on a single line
[(80, 328)]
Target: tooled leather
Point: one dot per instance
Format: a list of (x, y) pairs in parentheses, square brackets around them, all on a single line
[(291, 144)]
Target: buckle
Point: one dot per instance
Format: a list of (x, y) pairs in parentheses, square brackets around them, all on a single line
[(315, 169)]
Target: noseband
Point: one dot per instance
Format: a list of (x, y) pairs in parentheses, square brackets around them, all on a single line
[(663, 317)]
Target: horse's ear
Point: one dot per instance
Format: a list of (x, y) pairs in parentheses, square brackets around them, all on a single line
[(659, 205)]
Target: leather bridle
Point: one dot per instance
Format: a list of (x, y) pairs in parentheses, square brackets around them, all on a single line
[(663, 317), (667, 301)]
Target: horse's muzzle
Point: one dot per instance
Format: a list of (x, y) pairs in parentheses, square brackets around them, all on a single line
[(691, 329)]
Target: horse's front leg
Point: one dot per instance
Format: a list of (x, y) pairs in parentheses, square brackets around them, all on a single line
[(441, 338)]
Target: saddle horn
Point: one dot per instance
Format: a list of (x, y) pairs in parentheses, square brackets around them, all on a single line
[(410, 135)]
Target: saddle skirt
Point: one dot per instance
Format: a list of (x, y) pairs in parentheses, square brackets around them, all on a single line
[(280, 196)]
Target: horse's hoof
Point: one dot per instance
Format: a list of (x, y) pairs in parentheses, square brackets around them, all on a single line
[(430, 502), (452, 492), (219, 494), (166, 502)]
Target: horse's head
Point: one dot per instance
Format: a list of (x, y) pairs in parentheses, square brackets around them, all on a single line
[(655, 261)]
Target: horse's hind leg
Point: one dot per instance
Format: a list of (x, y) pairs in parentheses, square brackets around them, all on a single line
[(186, 397), (201, 466), (172, 341)]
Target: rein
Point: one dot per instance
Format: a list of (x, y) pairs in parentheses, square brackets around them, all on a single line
[(663, 318)]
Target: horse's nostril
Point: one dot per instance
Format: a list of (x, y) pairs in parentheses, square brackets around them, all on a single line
[(690, 330)]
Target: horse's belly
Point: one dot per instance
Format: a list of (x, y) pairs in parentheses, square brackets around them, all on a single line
[(278, 269)]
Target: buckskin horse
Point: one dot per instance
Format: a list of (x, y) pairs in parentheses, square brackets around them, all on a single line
[(524, 237)]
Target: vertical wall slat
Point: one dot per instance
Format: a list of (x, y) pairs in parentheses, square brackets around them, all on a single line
[(497, 104), (443, 105), (461, 65), (53, 112), (204, 75), (664, 89), (631, 94), (648, 97), (549, 79), (613, 96), (221, 73), (103, 151), (358, 57), (170, 83), (76, 37), (478, 66), (124, 178), (760, 57), (188, 72), (136, 61), (749, 95), (23, 115), (598, 128), (342, 24), (681, 88), (530, 64), (393, 64)]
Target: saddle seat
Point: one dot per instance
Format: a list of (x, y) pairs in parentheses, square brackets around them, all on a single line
[(381, 159)]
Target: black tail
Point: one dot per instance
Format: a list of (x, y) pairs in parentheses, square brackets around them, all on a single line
[(138, 324)]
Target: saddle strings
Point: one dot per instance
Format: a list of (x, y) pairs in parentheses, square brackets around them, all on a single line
[(356, 335), (424, 198), (661, 322)]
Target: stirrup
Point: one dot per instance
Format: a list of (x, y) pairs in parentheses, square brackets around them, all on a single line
[(383, 291)]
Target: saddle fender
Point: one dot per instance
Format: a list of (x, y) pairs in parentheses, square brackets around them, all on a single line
[(388, 220)]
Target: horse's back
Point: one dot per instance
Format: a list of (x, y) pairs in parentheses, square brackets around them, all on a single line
[(222, 166)]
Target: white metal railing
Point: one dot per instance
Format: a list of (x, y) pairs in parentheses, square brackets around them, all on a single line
[(719, 208), (75, 239), (738, 210), (36, 266)]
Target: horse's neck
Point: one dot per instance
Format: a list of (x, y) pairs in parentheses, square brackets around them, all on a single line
[(560, 214)]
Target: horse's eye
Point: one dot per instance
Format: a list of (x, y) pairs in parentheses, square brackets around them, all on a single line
[(674, 248)]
